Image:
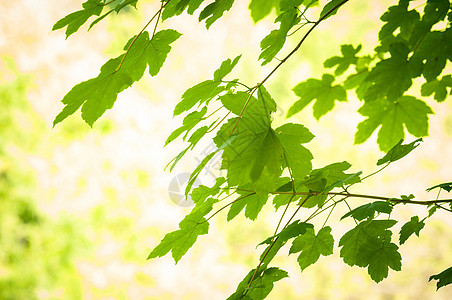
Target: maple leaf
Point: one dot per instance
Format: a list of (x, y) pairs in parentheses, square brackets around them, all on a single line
[(261, 8), (367, 211), (444, 278), (410, 227), (207, 90), (312, 246), (253, 203), (393, 116), (378, 255), (322, 90), (438, 87), (330, 5), (76, 19), (392, 77), (99, 94), (192, 226), (398, 151), (177, 7), (117, 8), (354, 239), (343, 62), (214, 11)]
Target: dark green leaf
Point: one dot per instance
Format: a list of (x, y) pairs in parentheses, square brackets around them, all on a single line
[(407, 110), (391, 77), (444, 278), (330, 5), (447, 186), (312, 246), (378, 255), (214, 11), (398, 151), (367, 211), (410, 227), (343, 62), (322, 90), (353, 240), (76, 19)]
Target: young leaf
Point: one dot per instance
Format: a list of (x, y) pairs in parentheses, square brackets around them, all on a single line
[(202, 192), (407, 110), (225, 68), (444, 278), (343, 62), (412, 226), (398, 151), (253, 203), (322, 90), (312, 246), (190, 121), (367, 211), (447, 186), (76, 19), (192, 226), (214, 11), (378, 255)]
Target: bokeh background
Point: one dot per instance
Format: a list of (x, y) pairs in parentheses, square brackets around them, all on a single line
[(81, 207)]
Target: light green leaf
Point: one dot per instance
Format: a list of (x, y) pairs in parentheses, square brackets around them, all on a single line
[(399, 151), (253, 203), (343, 62), (76, 19), (225, 68), (393, 116), (322, 90), (312, 246), (410, 227), (261, 8), (438, 87), (192, 226)]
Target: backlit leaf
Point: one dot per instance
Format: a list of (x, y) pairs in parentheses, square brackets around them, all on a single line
[(412, 226)]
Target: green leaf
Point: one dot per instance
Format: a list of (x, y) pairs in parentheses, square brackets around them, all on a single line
[(177, 7), (435, 49), (76, 19), (261, 286), (190, 121), (393, 116), (298, 158), (367, 211), (202, 192), (398, 151), (99, 94), (330, 5), (276, 39), (398, 17), (253, 203), (294, 229), (343, 62), (353, 240), (391, 77), (192, 226), (378, 255), (447, 186), (225, 68), (214, 11), (312, 246), (438, 87), (444, 278), (322, 90), (410, 227), (261, 8)]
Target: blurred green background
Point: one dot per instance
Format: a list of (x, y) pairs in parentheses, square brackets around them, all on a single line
[(81, 208)]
